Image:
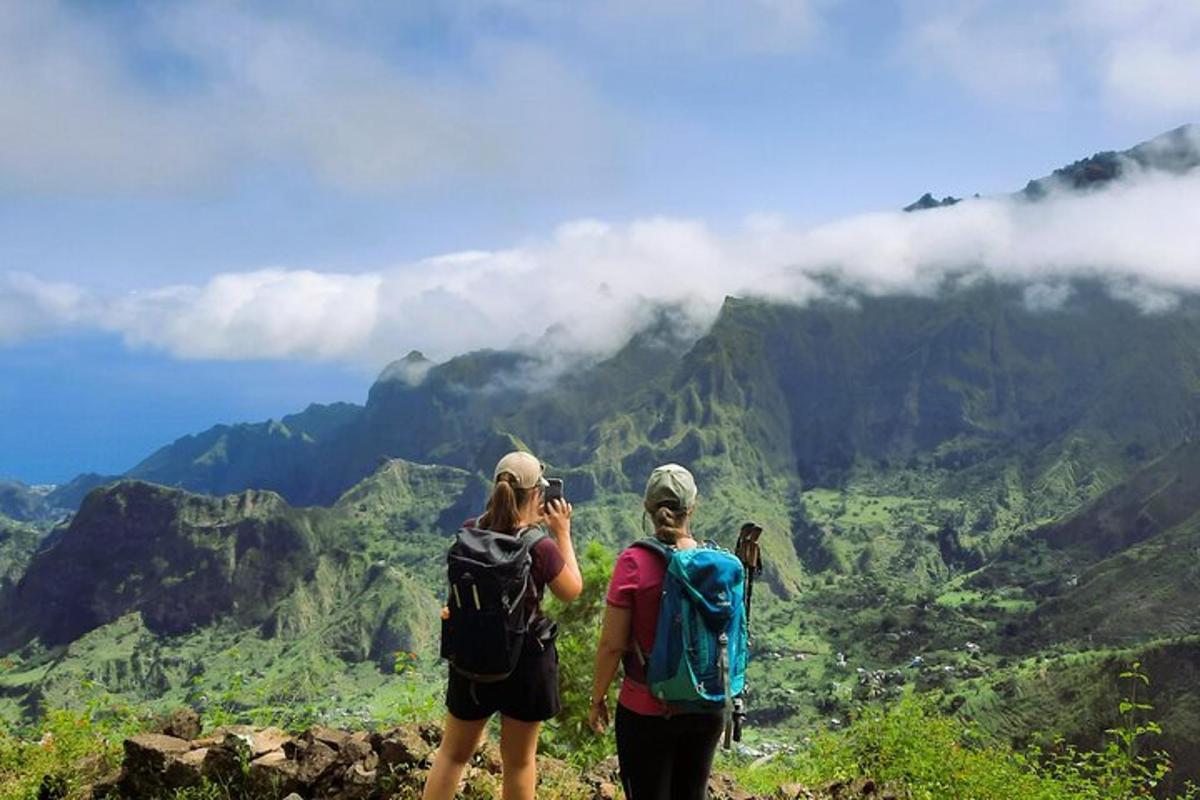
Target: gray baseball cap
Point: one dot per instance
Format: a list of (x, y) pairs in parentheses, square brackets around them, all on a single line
[(524, 467), (671, 485)]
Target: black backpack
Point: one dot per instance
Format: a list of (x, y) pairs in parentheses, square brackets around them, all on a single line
[(492, 601)]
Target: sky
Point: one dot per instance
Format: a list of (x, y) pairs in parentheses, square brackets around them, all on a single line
[(215, 212)]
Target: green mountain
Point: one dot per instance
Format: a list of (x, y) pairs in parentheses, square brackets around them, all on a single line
[(1125, 569), (268, 455), (34, 504), (964, 493), (149, 589), (17, 542)]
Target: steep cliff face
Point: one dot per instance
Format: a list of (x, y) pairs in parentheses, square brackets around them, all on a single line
[(154, 591), (180, 560), (17, 544)]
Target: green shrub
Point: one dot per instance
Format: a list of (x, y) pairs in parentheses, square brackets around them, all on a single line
[(65, 753), (930, 756), (568, 735)]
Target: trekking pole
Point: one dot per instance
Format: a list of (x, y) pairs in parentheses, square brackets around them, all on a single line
[(749, 553)]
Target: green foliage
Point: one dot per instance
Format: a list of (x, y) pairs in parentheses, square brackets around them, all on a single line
[(569, 736), (928, 756), (417, 700), (1118, 770), (63, 754)]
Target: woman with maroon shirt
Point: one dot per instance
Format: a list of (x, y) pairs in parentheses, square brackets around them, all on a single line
[(528, 696), (663, 756)]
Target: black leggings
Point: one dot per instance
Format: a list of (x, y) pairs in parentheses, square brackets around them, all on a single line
[(666, 758)]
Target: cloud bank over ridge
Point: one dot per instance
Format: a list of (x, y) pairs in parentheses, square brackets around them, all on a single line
[(585, 288)]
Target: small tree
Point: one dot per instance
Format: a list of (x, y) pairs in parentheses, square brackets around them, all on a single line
[(579, 632)]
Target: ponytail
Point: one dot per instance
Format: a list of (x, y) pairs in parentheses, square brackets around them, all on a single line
[(504, 506), (670, 525)]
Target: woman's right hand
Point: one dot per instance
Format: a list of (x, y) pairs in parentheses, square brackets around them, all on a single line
[(558, 518)]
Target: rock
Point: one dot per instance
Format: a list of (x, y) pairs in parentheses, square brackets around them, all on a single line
[(107, 788), (330, 764), (182, 723), (273, 773), (356, 746), (402, 747), (147, 759), (315, 760), (153, 750), (722, 787), (358, 782), (330, 736), (604, 778), (186, 769), (226, 762), (268, 739), (218, 735)]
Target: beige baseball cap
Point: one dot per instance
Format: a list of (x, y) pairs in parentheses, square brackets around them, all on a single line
[(671, 485), (523, 466)]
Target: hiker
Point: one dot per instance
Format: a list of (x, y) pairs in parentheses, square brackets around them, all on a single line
[(663, 756), (501, 649)]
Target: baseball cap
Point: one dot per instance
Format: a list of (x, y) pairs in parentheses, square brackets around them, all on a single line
[(671, 485), (524, 467)]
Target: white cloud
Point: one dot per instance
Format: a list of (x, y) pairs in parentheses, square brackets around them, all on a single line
[(1139, 55), (363, 95), (271, 313), (984, 46), (30, 306), (582, 291), (1155, 75), (183, 94)]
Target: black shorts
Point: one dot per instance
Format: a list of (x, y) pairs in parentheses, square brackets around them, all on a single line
[(529, 694)]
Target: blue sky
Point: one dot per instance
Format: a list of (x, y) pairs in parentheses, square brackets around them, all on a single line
[(215, 212)]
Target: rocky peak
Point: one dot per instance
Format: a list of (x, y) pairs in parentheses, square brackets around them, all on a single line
[(410, 370), (1175, 152), (927, 201)]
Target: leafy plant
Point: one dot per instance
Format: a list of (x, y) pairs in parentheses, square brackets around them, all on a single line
[(569, 736)]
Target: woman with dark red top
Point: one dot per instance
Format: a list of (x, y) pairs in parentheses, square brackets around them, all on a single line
[(663, 756), (528, 696)]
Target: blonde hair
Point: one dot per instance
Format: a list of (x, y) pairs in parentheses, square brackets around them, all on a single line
[(670, 525)]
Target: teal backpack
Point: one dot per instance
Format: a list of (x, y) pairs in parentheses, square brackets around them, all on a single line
[(700, 643)]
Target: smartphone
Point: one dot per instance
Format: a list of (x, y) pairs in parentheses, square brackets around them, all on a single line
[(554, 491)]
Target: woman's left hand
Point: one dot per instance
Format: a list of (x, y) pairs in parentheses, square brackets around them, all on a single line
[(598, 716)]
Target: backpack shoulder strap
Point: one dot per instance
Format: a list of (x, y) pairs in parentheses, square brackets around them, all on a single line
[(531, 536), (664, 551)]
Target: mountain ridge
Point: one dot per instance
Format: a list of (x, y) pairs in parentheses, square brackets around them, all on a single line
[(954, 486)]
